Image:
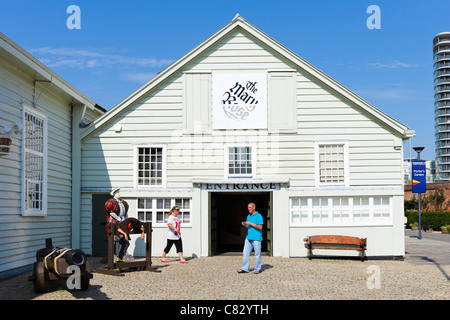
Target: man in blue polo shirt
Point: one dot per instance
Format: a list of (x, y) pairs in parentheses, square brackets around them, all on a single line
[(254, 224)]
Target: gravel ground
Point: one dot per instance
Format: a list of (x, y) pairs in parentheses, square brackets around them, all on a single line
[(423, 275), (211, 278)]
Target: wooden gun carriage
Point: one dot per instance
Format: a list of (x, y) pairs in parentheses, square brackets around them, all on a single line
[(53, 263)]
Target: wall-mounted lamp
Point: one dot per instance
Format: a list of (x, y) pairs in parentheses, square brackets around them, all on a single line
[(6, 141)]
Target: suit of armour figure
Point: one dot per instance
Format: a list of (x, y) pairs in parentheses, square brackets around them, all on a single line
[(116, 212)]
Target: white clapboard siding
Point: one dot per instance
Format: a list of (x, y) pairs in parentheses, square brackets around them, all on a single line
[(20, 236)]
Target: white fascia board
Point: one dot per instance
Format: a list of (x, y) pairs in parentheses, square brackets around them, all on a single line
[(23, 58)]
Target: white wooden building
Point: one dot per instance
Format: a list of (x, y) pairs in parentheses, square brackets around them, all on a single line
[(239, 119), (39, 176)]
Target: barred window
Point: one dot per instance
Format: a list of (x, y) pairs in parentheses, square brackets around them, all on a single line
[(34, 162), (331, 163), (150, 166)]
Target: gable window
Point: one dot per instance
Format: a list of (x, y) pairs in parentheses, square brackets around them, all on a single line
[(240, 161), (34, 162), (331, 163), (150, 166)]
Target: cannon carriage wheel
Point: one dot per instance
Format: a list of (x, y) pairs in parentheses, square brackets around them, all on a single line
[(38, 277), (41, 273), (85, 277)]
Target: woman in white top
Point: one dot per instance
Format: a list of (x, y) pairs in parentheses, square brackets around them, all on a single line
[(174, 235)]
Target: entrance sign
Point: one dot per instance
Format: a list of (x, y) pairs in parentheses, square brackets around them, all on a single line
[(241, 186), (239, 101), (419, 176)]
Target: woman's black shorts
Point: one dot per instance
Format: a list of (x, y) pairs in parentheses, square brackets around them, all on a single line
[(170, 243)]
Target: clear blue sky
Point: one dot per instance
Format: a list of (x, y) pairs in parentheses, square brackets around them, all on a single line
[(123, 44)]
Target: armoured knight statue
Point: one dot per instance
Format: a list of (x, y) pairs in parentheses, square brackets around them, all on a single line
[(116, 209)]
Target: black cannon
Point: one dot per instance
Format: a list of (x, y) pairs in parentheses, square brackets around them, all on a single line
[(54, 263)]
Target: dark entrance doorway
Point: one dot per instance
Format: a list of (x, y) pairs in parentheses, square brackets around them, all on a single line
[(227, 211), (99, 241)]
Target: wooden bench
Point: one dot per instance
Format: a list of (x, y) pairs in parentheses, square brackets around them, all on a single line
[(335, 242)]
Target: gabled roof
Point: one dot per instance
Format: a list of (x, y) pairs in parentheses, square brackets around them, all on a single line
[(17, 56), (239, 22)]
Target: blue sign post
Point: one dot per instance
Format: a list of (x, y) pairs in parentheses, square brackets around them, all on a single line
[(419, 176), (419, 184)]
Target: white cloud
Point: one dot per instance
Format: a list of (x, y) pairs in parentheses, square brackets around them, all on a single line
[(392, 65), (394, 93), (364, 66), (82, 58)]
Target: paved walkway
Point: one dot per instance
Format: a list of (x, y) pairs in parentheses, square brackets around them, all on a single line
[(424, 274), (431, 249)]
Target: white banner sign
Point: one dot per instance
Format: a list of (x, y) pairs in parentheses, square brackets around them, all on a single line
[(240, 101)]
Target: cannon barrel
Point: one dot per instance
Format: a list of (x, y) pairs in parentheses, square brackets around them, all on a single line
[(56, 259), (59, 260), (75, 258), (72, 257)]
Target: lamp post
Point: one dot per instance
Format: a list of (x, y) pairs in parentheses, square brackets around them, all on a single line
[(419, 150)]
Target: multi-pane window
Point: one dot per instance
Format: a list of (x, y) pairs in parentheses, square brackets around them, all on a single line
[(34, 162), (340, 210), (361, 209), (163, 207), (240, 161), (185, 209), (299, 210), (381, 206), (150, 166), (331, 163), (145, 210), (320, 210), (156, 210)]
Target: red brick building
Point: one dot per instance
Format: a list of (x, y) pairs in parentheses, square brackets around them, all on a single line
[(437, 197)]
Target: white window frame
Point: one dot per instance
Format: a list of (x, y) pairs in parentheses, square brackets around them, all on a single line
[(382, 208), (153, 210), (252, 147), (136, 166), (317, 145), (44, 154), (302, 216)]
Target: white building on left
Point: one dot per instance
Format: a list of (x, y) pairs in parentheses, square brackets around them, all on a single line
[(39, 175)]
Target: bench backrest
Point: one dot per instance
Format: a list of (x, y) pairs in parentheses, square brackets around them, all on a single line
[(335, 239)]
